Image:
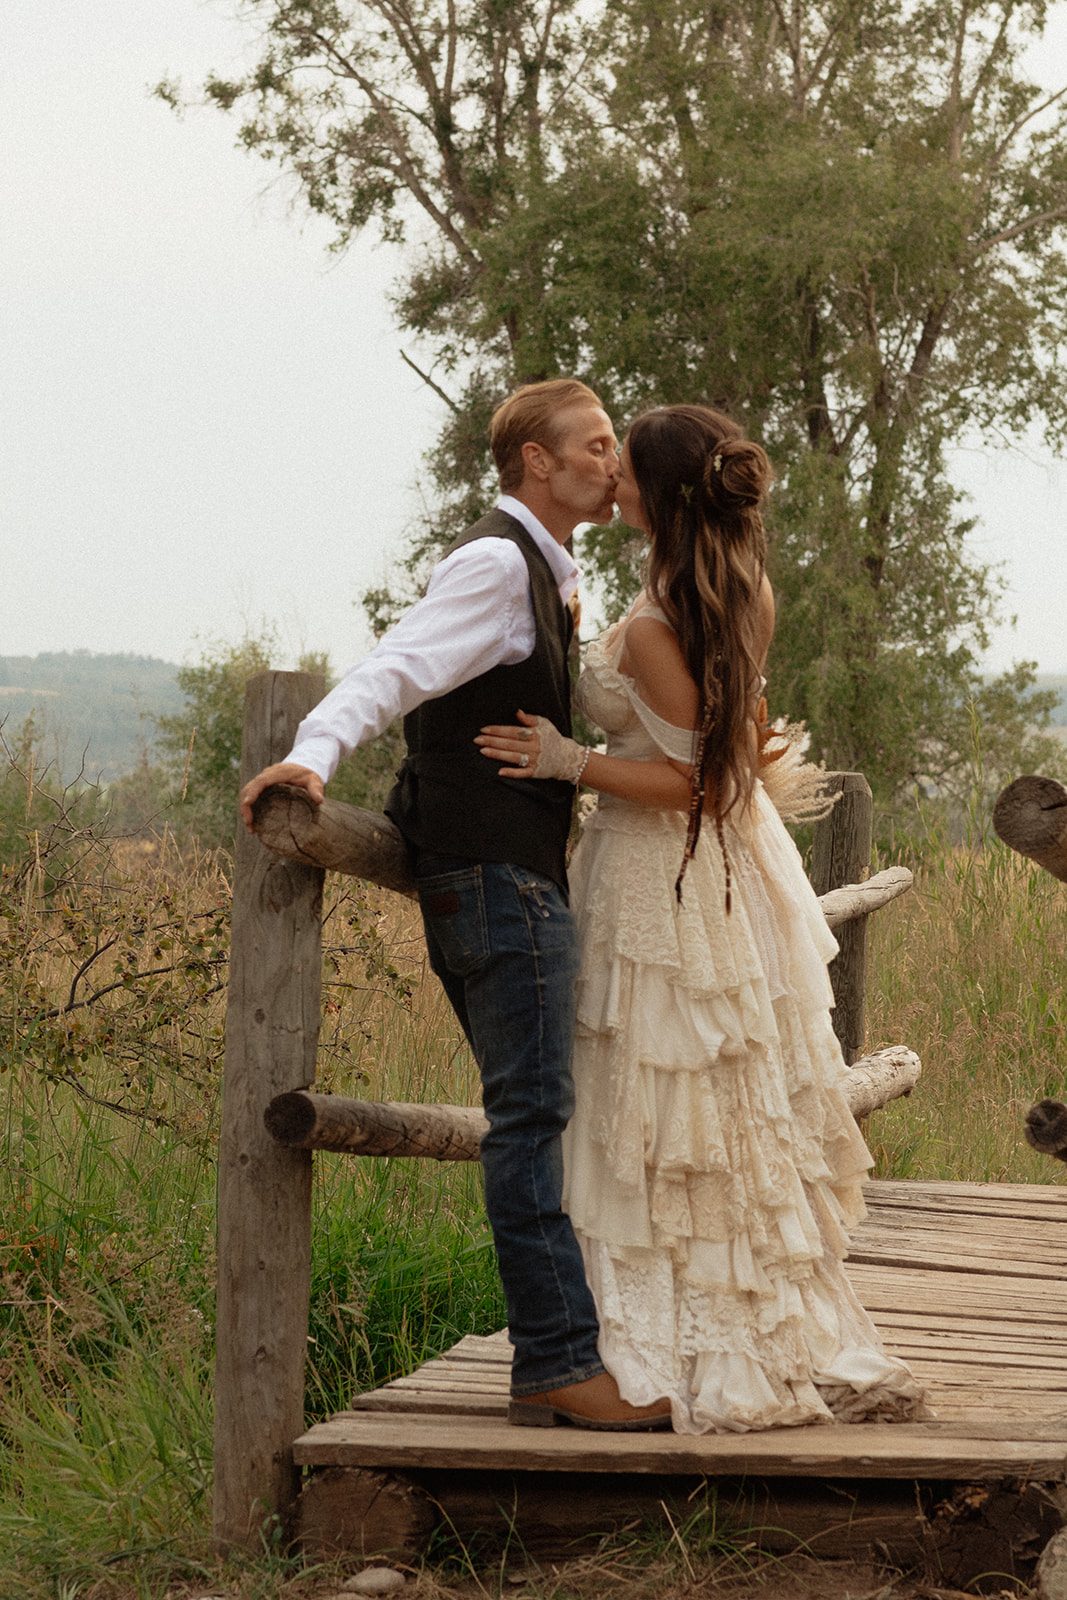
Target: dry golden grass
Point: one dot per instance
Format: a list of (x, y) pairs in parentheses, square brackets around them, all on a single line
[(968, 970)]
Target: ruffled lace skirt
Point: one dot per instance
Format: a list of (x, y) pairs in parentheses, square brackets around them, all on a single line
[(712, 1165)]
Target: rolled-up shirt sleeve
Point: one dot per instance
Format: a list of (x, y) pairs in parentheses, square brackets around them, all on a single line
[(476, 615)]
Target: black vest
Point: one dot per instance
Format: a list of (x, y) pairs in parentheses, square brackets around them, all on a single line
[(448, 799)]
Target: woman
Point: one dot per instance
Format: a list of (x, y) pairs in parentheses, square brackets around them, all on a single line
[(713, 1168)]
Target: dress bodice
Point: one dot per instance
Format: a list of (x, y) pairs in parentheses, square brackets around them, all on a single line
[(610, 699)]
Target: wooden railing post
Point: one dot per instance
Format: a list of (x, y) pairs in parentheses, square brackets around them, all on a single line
[(264, 1190), (840, 854)]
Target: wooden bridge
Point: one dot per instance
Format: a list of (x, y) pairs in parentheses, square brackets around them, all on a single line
[(965, 1281)]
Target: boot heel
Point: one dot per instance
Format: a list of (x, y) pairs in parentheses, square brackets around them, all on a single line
[(521, 1414)]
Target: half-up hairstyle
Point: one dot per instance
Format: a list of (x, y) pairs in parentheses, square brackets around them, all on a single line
[(701, 482)]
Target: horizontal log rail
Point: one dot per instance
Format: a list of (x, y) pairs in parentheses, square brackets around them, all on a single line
[(305, 1121), (339, 837), (365, 844), (860, 899)]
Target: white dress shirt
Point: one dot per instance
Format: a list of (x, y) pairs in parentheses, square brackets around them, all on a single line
[(476, 614)]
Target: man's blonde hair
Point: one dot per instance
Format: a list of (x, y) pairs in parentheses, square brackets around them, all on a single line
[(532, 416)]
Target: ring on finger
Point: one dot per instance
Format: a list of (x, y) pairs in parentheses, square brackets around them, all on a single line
[(526, 733), (524, 760)]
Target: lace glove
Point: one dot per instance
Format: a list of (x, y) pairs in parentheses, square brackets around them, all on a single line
[(537, 750), (556, 756)]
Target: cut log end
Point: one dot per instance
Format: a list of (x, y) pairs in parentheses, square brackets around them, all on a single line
[(874, 1080), (363, 1512), (333, 835), (1031, 817), (290, 1118), (1046, 1128), (855, 900)]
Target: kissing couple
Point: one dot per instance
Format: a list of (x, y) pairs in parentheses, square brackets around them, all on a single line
[(671, 1169)]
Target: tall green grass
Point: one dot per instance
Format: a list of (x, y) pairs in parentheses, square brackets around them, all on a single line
[(106, 1290)]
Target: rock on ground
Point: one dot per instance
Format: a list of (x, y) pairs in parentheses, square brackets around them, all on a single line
[(374, 1580), (1051, 1575)]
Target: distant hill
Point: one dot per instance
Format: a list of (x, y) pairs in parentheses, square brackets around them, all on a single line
[(95, 710)]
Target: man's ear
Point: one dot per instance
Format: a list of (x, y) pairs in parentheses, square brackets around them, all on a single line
[(537, 460)]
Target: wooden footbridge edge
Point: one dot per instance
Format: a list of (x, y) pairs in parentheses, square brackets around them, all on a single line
[(953, 1530), (979, 1489)]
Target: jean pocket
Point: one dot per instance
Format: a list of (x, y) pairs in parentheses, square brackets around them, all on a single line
[(539, 894), (453, 906)]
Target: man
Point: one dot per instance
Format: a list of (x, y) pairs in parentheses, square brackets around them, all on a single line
[(491, 637)]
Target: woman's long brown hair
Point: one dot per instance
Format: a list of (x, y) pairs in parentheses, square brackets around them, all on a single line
[(701, 482)]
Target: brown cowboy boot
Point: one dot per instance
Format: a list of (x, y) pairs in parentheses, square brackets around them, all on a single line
[(593, 1403)]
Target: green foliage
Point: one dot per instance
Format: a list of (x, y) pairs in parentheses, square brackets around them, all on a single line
[(106, 1269), (47, 828), (25, 789), (200, 747), (369, 773), (857, 249), (107, 1280), (114, 957), (403, 1261), (111, 966)]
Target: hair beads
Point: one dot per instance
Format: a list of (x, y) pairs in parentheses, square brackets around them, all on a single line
[(696, 814)]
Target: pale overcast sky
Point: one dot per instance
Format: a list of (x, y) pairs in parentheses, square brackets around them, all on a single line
[(206, 421)]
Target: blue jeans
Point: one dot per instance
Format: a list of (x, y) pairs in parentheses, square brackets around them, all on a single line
[(503, 943)]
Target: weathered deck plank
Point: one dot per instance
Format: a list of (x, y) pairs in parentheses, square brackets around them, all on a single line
[(923, 1450), (966, 1282), (984, 1199)]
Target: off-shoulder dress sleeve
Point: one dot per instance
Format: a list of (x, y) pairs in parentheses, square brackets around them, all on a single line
[(677, 744)]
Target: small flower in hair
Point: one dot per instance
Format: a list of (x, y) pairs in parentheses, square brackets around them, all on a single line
[(717, 463)]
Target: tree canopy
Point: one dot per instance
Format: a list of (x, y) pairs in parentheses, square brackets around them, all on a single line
[(841, 220)]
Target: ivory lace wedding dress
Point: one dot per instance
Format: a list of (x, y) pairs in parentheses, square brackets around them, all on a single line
[(712, 1165)]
